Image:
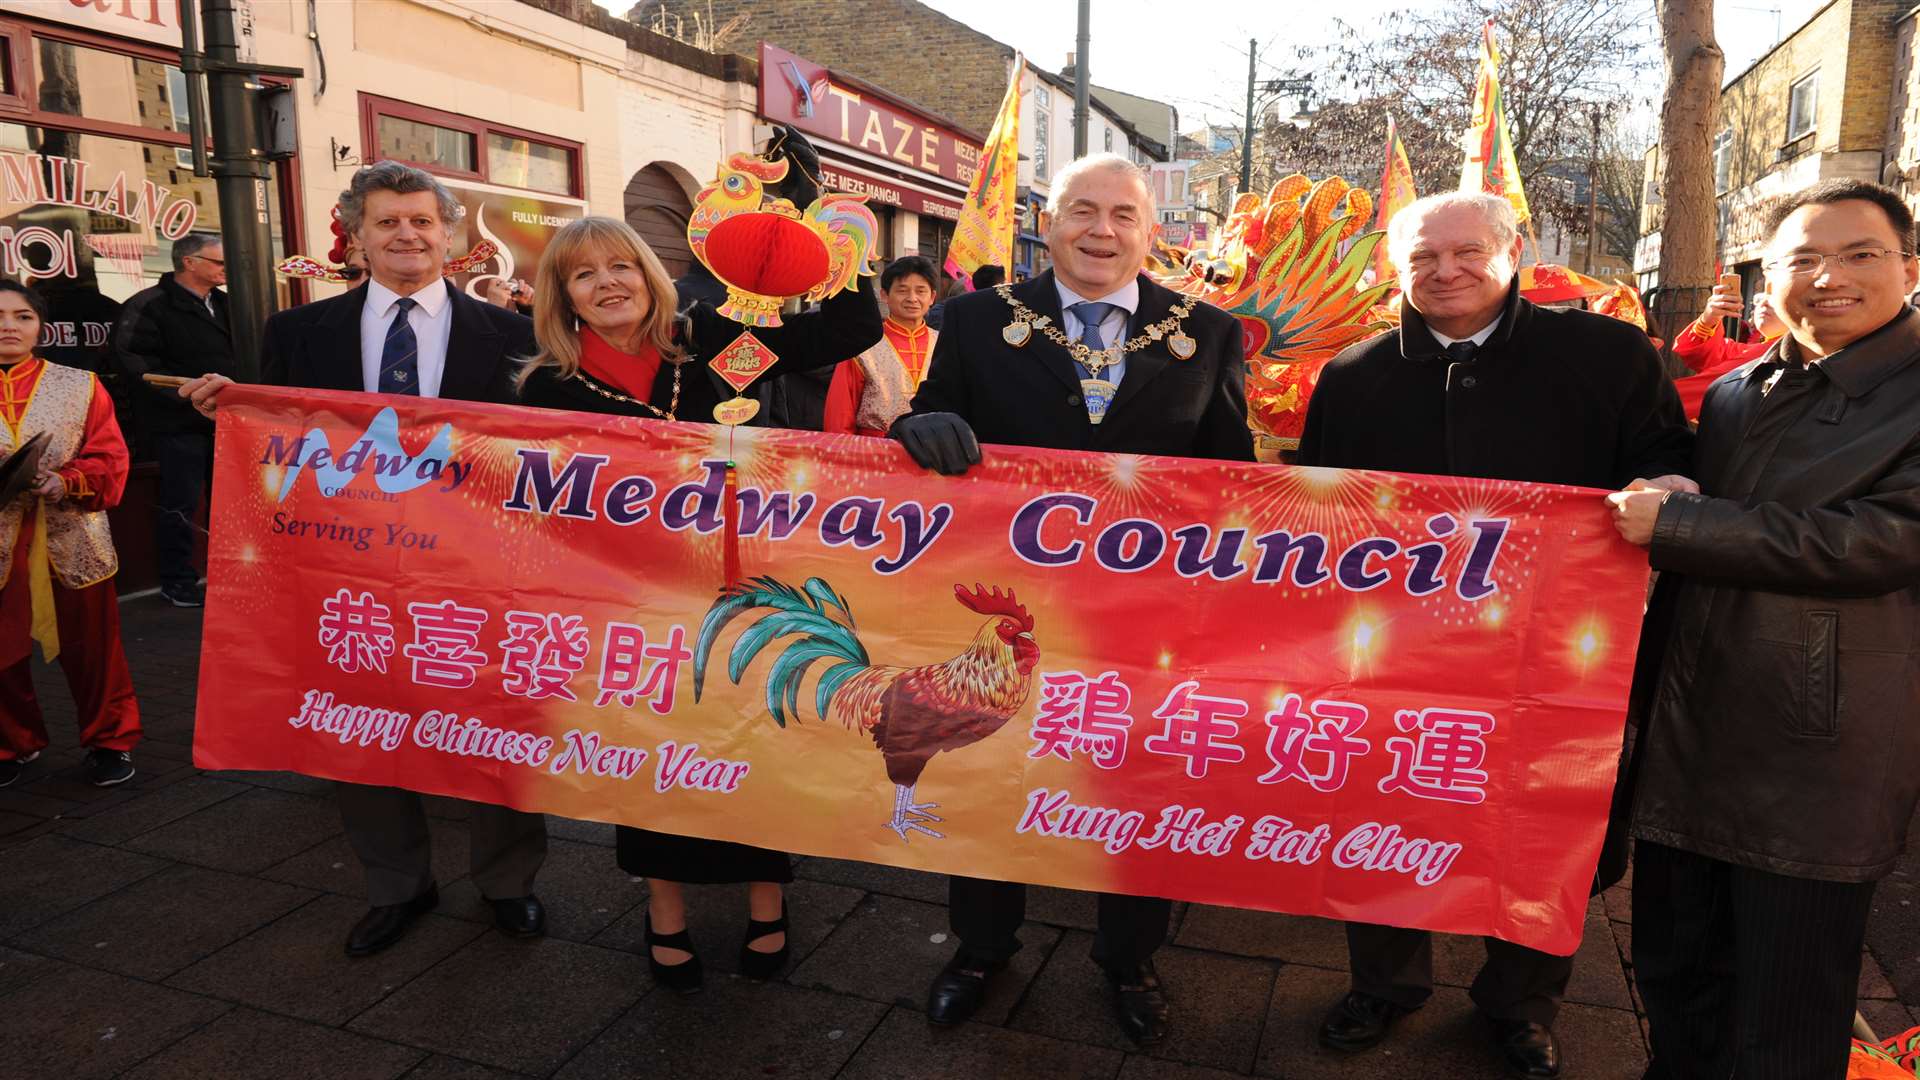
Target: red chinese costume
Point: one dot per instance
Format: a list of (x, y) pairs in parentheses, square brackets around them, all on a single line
[(57, 560), (1710, 353)]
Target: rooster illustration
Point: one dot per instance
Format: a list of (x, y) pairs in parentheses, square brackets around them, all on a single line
[(911, 713), (765, 249)]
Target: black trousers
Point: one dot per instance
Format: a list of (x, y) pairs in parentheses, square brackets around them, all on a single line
[(186, 473), (1745, 973), (986, 917), (1516, 983)]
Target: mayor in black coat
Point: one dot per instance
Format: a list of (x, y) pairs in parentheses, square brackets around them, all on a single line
[(1160, 375), (1477, 381)]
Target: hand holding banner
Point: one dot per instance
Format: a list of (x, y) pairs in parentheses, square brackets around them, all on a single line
[(1358, 695)]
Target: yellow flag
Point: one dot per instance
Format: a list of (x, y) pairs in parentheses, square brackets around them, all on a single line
[(984, 234), (1490, 164), (1396, 191)]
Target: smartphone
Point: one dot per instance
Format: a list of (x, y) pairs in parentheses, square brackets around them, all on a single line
[(1731, 281)]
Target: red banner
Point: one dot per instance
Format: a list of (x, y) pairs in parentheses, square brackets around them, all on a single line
[(1359, 695)]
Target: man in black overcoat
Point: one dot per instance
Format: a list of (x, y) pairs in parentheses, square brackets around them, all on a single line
[(1154, 374), (1477, 381)]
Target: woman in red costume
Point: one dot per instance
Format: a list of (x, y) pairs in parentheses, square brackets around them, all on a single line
[(56, 555), (1705, 348)]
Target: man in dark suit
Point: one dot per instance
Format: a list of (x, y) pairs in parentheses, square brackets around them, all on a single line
[(1479, 382), (409, 331), (1137, 369)]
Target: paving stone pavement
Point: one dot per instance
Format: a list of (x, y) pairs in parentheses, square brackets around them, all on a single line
[(188, 924)]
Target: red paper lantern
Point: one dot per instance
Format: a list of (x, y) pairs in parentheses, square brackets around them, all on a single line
[(767, 254)]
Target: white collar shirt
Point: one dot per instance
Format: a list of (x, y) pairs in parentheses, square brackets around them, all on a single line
[(1113, 329), (432, 322), (1478, 337)]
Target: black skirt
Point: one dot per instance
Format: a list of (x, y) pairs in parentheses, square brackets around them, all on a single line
[(690, 859)]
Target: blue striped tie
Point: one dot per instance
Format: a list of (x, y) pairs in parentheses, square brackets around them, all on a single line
[(400, 356)]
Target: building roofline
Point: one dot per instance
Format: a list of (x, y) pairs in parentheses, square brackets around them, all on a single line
[(729, 67), (1749, 69), (1060, 82)]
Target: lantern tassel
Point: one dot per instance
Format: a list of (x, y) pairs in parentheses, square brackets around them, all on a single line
[(730, 520)]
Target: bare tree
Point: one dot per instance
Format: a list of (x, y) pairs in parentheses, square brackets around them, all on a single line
[(1688, 117), (1560, 58)]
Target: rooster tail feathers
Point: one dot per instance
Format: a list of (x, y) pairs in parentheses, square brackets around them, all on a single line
[(831, 682), (794, 611), (783, 682), (823, 592)]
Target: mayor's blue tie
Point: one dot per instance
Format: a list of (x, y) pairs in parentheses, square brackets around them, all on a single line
[(1092, 314), (400, 356)]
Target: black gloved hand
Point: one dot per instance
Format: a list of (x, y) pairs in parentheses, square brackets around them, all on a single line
[(802, 185), (940, 441)]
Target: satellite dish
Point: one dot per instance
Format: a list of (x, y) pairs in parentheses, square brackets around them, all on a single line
[(1892, 174)]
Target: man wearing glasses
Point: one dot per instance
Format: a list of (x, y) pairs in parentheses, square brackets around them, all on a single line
[(1779, 680), (178, 327)]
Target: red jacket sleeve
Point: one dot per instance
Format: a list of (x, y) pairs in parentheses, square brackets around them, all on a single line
[(843, 397), (96, 478)]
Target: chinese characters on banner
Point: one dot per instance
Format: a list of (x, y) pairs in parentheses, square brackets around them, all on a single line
[(1356, 695)]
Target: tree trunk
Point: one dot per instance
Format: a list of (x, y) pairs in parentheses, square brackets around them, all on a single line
[(1688, 118)]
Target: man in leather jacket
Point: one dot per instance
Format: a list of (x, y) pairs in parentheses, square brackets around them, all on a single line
[(1778, 756)]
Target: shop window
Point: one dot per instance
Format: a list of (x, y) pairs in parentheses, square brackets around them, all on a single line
[(473, 149), (102, 86), (528, 164), (426, 144), (94, 227)]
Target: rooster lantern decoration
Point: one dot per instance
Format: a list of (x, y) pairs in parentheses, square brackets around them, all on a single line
[(765, 250), (910, 713)]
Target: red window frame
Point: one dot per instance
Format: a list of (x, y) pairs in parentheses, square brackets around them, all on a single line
[(373, 107)]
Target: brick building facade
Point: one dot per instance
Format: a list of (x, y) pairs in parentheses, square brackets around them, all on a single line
[(1830, 100)]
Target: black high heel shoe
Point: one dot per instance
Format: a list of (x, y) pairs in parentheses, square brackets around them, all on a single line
[(685, 977), (764, 965)]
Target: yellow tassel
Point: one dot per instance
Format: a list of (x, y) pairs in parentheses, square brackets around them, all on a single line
[(46, 628)]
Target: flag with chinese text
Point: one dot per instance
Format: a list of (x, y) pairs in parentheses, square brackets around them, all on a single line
[(983, 235)]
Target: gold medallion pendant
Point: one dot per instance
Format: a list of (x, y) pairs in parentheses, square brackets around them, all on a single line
[(1181, 346), (1098, 395), (1017, 333)]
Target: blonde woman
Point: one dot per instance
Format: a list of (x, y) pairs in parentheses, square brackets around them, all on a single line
[(611, 342)]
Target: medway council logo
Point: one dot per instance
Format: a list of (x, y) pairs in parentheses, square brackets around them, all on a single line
[(377, 452)]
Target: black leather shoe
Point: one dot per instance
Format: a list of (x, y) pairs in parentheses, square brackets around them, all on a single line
[(1140, 1004), (380, 927), (685, 977), (1528, 1049), (959, 989), (755, 964), (1359, 1022), (520, 916)]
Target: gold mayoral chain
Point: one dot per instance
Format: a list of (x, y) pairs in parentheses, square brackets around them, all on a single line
[(1026, 321), (608, 392)]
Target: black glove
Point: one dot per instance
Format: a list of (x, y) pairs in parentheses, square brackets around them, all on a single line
[(802, 185), (940, 441)]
